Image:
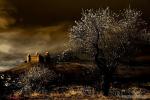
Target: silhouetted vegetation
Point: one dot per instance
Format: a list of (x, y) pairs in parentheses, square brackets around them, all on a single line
[(109, 37)]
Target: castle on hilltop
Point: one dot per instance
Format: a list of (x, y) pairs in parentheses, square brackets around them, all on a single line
[(38, 58)]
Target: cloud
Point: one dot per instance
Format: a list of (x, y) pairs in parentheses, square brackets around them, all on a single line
[(32, 39), (6, 11), (5, 48)]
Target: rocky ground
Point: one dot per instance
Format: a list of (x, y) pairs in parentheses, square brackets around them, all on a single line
[(75, 92), (32, 82)]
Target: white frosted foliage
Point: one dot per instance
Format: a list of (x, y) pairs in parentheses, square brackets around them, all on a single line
[(112, 34)]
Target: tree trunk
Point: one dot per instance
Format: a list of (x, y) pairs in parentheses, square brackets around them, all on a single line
[(106, 80), (106, 73)]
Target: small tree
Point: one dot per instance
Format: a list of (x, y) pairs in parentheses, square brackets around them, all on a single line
[(108, 37)]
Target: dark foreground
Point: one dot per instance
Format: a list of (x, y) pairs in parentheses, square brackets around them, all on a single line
[(80, 92), (29, 82)]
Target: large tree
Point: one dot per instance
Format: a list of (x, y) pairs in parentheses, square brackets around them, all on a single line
[(109, 36)]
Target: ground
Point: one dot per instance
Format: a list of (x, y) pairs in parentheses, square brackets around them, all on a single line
[(32, 82), (88, 93)]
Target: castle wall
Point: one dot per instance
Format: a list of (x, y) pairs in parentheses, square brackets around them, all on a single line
[(35, 59)]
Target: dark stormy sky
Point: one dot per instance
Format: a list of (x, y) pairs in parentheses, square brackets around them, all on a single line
[(51, 11), (42, 25)]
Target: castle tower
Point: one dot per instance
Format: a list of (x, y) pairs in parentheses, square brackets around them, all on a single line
[(37, 57), (46, 57), (28, 58)]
